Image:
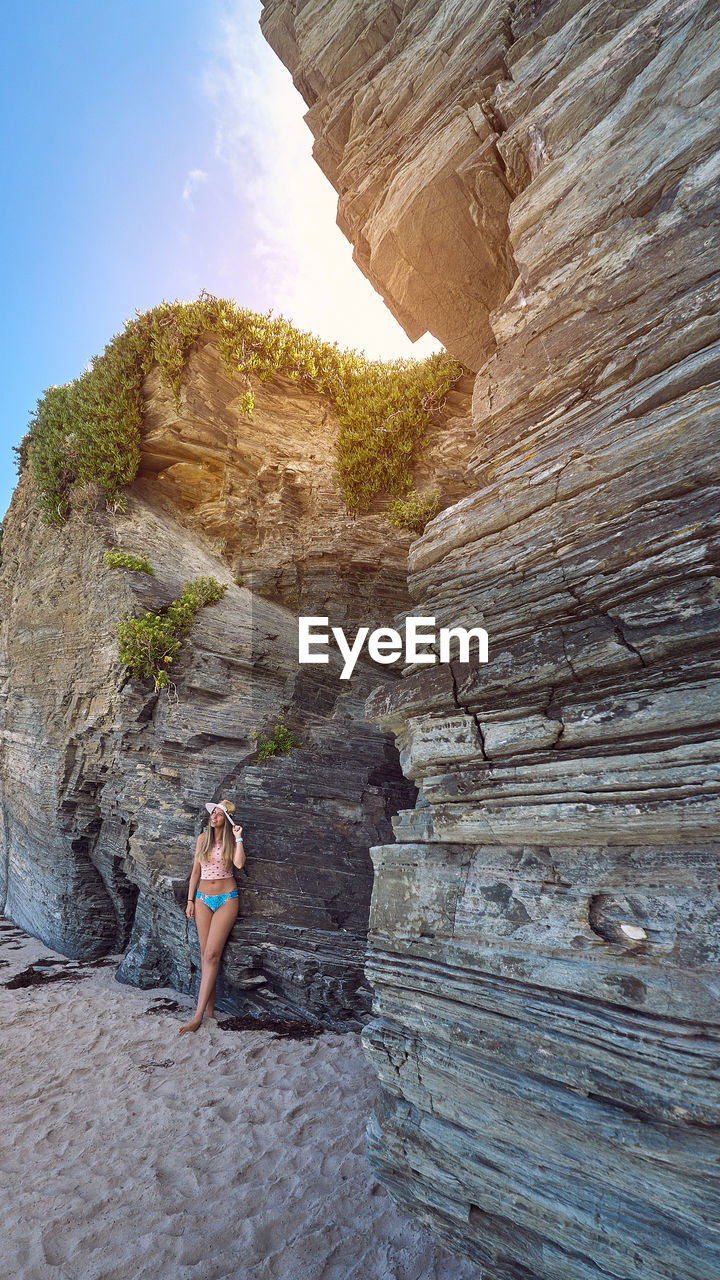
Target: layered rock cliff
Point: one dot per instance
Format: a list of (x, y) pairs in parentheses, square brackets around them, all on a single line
[(263, 488), (103, 779), (537, 184)]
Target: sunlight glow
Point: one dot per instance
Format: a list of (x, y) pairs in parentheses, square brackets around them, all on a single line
[(303, 259)]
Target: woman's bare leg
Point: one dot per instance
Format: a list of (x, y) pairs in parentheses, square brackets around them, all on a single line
[(220, 926), (203, 920)]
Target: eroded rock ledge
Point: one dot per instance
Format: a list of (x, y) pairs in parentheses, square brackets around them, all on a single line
[(550, 1097), (401, 106), (263, 489)]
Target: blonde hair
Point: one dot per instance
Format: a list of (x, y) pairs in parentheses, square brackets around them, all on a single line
[(228, 840)]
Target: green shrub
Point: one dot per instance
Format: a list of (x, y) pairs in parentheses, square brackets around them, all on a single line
[(414, 511), (89, 430), (150, 643), (240, 580), (117, 559), (281, 743)]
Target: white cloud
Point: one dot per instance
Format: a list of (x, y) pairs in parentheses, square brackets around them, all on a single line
[(301, 256), (194, 179)]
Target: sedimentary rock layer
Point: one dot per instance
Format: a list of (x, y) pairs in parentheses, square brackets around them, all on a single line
[(400, 99), (103, 780), (262, 489), (543, 941)]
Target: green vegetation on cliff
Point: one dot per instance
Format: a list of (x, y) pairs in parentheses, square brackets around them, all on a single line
[(281, 743), (150, 643), (117, 559), (87, 434), (414, 511)]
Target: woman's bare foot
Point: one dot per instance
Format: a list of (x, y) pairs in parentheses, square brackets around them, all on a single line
[(190, 1026)]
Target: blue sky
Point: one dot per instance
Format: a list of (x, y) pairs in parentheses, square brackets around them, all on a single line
[(150, 151)]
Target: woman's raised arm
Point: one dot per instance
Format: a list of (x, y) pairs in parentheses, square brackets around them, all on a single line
[(239, 855)]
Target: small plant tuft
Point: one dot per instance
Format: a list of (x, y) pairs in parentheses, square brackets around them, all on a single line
[(414, 511), (282, 742), (117, 559), (151, 643)]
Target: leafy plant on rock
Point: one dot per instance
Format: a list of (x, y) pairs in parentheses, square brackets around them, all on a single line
[(117, 559), (151, 643), (89, 430), (281, 743), (414, 511)]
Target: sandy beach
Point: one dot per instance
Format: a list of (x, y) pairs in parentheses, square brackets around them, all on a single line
[(131, 1152)]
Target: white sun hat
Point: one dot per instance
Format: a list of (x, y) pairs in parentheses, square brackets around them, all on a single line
[(212, 805)]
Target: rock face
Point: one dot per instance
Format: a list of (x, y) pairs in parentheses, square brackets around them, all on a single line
[(103, 780), (263, 488), (400, 100), (544, 935)]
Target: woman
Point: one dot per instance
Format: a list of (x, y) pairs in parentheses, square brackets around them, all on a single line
[(215, 908)]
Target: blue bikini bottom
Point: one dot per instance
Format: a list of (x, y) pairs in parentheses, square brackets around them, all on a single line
[(215, 900)]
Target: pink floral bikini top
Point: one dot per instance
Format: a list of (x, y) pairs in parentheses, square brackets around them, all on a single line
[(214, 868)]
